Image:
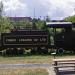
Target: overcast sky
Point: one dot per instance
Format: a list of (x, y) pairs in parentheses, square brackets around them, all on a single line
[(56, 9)]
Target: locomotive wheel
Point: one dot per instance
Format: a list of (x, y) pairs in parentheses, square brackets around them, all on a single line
[(15, 51), (39, 51), (9, 51), (21, 51), (43, 50), (4, 52), (34, 50), (60, 51)]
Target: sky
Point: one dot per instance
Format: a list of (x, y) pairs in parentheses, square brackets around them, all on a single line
[(55, 9)]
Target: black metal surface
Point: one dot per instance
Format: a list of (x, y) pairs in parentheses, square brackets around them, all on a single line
[(25, 38)]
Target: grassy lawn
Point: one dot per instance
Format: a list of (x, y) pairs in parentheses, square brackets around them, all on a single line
[(26, 59), (66, 57), (31, 59), (23, 71)]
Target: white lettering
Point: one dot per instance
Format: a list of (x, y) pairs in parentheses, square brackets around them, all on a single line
[(10, 40), (23, 40)]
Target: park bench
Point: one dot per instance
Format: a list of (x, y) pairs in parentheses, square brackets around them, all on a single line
[(64, 66)]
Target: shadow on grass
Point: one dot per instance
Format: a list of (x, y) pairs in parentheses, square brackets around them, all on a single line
[(25, 55), (37, 54)]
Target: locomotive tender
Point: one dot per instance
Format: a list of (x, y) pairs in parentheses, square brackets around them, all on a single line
[(21, 38)]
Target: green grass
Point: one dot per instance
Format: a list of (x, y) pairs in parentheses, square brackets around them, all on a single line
[(24, 71), (31, 59), (26, 59)]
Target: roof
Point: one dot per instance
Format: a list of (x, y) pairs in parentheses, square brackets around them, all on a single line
[(58, 24), (20, 18)]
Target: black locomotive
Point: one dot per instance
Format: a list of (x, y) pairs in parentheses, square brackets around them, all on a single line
[(61, 36)]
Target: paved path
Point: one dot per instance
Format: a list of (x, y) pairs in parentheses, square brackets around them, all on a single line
[(49, 67), (15, 66), (23, 65)]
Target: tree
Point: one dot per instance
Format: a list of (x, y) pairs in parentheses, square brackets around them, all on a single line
[(1, 8), (22, 24), (70, 18), (26, 24), (6, 25), (39, 24), (34, 21)]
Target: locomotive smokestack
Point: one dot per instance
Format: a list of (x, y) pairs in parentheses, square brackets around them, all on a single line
[(34, 24)]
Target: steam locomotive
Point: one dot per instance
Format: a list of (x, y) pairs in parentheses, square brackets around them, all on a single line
[(61, 35)]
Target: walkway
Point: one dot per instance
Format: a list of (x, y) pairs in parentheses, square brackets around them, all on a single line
[(15, 66)]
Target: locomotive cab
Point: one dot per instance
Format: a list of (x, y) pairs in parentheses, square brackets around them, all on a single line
[(62, 34)]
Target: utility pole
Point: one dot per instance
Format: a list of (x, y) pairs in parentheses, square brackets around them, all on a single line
[(34, 25), (34, 12)]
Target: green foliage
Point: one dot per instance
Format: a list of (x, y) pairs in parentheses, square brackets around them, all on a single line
[(40, 24), (1, 8), (5, 24), (22, 24), (70, 18), (25, 24)]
